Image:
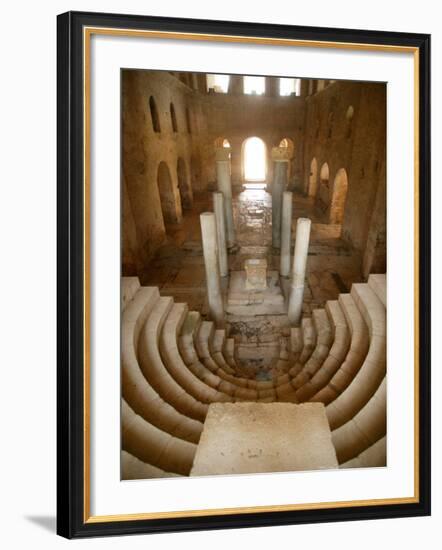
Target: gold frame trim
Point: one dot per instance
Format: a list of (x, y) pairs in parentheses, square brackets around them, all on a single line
[(87, 34)]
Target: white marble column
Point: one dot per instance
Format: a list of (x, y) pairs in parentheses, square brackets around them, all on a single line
[(299, 267), (286, 233), (223, 171), (218, 208), (210, 251), (280, 160)]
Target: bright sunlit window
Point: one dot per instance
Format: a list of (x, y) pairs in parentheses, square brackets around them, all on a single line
[(254, 85), (254, 159), (226, 143), (219, 82), (289, 86)]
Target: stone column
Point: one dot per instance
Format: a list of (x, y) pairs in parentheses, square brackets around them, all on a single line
[(286, 233), (222, 157), (280, 159), (210, 251), (218, 208), (299, 267)]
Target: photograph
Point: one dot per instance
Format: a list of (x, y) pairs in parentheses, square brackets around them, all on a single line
[(253, 274)]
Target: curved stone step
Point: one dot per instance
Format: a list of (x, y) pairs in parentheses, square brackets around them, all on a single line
[(154, 370), (187, 348), (186, 337), (174, 363), (229, 383), (217, 351), (136, 390), (378, 283), (133, 468), (324, 337), (154, 446), (296, 343), (373, 457), (364, 429), (336, 355), (355, 356), (308, 339), (129, 287), (368, 378)]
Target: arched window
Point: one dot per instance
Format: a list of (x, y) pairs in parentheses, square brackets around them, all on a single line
[(173, 118), (154, 115), (189, 128), (254, 159), (340, 187), (289, 86), (330, 119), (219, 83), (254, 85), (226, 143), (349, 117)]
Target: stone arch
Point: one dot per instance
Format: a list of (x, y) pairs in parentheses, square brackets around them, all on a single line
[(254, 171), (154, 115), (288, 144), (170, 206), (184, 186), (221, 142), (173, 118), (323, 193), (313, 178), (337, 205)]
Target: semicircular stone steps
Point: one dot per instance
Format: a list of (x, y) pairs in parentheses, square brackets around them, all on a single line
[(174, 364)]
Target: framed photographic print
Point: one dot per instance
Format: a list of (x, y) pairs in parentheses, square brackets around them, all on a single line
[(243, 274)]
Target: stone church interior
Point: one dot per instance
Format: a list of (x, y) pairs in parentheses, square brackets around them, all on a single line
[(253, 274)]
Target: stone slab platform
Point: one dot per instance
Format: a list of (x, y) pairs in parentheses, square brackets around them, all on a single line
[(246, 438), (241, 301)]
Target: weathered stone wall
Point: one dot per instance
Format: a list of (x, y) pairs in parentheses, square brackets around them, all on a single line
[(236, 117), (346, 128), (145, 150), (343, 124)]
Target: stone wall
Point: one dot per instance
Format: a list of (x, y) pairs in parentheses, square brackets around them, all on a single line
[(338, 127), (158, 166), (346, 129), (236, 117)]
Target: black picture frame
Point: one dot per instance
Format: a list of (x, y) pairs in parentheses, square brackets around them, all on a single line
[(71, 518)]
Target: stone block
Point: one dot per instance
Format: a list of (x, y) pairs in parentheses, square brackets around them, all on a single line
[(256, 274)]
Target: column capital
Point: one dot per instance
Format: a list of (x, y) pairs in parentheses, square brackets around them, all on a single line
[(222, 153), (280, 154)]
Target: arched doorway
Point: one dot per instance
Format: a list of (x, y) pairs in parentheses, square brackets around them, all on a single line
[(340, 186), (170, 206), (254, 160), (313, 178), (184, 185), (323, 194)]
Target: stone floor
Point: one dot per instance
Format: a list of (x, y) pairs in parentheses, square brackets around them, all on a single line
[(178, 267)]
